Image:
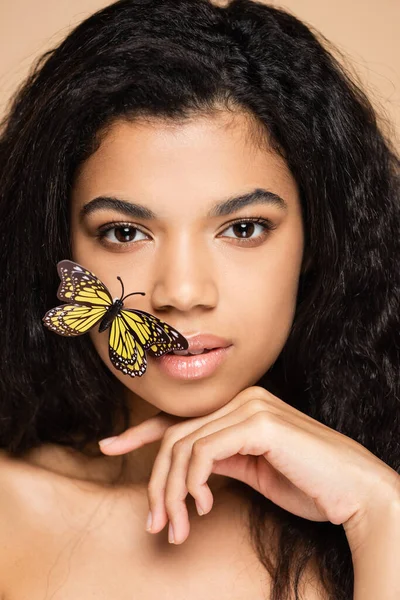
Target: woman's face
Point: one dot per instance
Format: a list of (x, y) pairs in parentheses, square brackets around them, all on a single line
[(201, 272)]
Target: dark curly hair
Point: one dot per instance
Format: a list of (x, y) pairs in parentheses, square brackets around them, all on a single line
[(174, 60)]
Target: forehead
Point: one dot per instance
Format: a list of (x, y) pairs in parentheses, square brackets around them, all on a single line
[(166, 163)]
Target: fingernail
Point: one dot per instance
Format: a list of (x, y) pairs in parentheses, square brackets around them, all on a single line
[(149, 521), (199, 509), (108, 440), (171, 534)]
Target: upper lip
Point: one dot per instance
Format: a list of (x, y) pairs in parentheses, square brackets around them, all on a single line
[(206, 340)]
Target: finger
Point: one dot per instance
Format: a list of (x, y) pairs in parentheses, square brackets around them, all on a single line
[(257, 472), (301, 462), (170, 475), (152, 429), (157, 483), (247, 437), (162, 464), (149, 431), (156, 487)]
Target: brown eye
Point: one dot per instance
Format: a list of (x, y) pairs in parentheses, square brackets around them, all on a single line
[(243, 230), (250, 230), (118, 235), (125, 234)]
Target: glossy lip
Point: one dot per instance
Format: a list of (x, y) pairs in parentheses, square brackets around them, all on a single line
[(206, 340), (196, 366), (192, 367)]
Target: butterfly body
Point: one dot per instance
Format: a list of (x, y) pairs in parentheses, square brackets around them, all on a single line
[(132, 332), (110, 315)]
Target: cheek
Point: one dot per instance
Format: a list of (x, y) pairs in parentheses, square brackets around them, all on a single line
[(256, 309), (265, 325), (266, 305), (135, 384)]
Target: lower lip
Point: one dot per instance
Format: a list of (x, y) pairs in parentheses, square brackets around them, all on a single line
[(192, 367)]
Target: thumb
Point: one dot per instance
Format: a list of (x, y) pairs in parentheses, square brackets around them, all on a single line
[(146, 432)]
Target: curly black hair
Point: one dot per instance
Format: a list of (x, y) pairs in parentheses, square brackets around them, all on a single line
[(174, 60)]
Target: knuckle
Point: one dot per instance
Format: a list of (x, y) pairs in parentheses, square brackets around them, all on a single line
[(169, 440), (152, 493), (199, 447), (192, 484), (170, 502), (179, 447), (174, 498), (262, 419), (170, 435), (165, 445), (255, 391), (255, 405)]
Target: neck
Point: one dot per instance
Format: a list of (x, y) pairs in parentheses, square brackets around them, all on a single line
[(131, 469)]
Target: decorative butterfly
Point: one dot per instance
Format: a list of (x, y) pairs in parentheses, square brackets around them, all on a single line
[(131, 331)]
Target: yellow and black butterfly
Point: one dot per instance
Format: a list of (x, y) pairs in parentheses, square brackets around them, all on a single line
[(131, 331)]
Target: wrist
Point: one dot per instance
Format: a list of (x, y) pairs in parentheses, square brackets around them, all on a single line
[(379, 520)]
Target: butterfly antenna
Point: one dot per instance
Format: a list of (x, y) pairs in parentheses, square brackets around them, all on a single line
[(133, 293), (122, 284)]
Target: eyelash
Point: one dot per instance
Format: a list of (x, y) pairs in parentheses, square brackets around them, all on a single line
[(269, 226)]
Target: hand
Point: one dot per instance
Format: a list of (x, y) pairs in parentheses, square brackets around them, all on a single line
[(297, 462)]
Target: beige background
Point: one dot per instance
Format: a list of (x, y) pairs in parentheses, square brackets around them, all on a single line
[(366, 31)]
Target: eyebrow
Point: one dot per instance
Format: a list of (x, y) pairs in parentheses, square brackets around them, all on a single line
[(222, 208)]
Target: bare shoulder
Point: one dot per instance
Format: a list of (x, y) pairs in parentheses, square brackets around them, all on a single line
[(23, 499), (29, 496), (10, 516), (13, 487), (42, 513), (20, 487)]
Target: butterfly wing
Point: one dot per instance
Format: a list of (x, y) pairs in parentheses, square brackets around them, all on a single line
[(73, 319), (88, 301), (80, 286), (131, 331), (156, 336), (125, 351)]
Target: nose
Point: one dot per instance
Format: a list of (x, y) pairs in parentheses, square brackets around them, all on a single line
[(184, 277)]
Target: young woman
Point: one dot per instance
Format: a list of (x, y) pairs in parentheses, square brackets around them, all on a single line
[(221, 161)]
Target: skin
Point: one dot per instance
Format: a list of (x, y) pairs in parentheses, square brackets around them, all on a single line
[(195, 437), (196, 271), (198, 279)]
